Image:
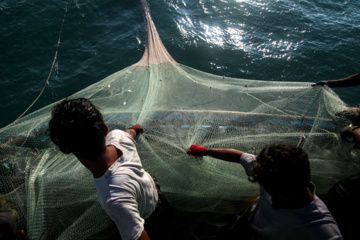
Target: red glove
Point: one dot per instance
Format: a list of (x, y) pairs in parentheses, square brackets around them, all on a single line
[(138, 129), (196, 150)]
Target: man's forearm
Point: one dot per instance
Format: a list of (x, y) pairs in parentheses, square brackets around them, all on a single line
[(144, 236), (229, 155), (353, 80)]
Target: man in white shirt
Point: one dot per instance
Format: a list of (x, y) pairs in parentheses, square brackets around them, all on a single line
[(127, 193), (288, 207)]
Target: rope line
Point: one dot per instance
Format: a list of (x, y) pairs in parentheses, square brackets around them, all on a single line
[(52, 66)]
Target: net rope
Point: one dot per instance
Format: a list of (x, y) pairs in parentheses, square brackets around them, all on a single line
[(52, 65), (53, 196)]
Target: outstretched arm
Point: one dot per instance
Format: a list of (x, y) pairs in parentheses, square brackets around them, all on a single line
[(248, 161), (134, 131), (144, 236), (229, 155), (352, 80)]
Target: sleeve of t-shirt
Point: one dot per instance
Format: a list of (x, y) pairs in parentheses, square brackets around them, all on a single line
[(322, 230), (248, 161), (118, 137), (124, 212)]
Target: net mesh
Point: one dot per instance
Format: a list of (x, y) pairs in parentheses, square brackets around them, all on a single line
[(53, 196)]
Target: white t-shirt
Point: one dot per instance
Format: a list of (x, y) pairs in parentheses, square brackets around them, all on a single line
[(126, 192), (313, 222)]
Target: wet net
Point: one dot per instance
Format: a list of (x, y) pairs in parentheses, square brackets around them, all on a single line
[(53, 196)]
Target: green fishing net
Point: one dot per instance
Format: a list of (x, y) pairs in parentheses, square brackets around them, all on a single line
[(53, 196)]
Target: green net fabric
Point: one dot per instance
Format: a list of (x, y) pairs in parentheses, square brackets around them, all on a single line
[(53, 196)]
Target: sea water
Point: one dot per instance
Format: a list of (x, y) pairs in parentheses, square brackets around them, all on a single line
[(272, 40)]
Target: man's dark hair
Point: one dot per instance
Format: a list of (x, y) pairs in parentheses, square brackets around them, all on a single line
[(77, 126), (282, 168)]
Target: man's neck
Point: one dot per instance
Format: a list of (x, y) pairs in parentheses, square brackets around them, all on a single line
[(99, 166), (294, 201)]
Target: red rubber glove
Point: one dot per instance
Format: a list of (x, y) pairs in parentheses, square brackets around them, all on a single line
[(138, 129), (196, 150)]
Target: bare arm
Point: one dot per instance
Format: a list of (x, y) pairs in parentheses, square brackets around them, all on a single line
[(134, 131), (356, 134), (144, 235), (352, 80), (229, 155)]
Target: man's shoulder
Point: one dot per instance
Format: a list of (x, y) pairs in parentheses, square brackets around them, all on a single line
[(115, 132), (114, 137), (248, 156), (119, 136)]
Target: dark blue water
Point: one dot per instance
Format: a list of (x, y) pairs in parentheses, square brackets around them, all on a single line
[(302, 40)]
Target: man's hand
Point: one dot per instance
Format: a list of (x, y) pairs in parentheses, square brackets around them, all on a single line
[(196, 150), (353, 80), (134, 131), (350, 114), (138, 129), (322, 83), (351, 135)]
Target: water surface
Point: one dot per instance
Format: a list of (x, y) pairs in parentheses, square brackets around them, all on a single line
[(301, 40)]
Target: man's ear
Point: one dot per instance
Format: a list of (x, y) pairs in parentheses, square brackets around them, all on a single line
[(106, 129)]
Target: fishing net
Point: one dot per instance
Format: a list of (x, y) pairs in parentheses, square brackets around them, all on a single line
[(53, 196)]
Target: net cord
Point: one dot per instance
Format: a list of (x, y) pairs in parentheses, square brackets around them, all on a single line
[(52, 66)]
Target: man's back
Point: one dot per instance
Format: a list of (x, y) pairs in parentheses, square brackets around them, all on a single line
[(313, 221), (126, 191)]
